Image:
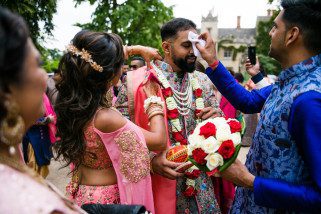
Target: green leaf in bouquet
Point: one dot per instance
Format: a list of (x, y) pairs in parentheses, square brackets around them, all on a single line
[(231, 160), (203, 168)]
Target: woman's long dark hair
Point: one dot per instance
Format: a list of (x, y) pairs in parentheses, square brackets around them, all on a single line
[(82, 89), (14, 35)]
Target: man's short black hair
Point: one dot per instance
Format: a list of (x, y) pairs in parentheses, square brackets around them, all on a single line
[(170, 29), (305, 14), (139, 59)]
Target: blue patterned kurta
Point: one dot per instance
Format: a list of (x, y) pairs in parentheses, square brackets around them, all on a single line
[(275, 158)]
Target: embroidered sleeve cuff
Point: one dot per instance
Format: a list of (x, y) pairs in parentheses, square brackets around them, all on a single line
[(257, 78)]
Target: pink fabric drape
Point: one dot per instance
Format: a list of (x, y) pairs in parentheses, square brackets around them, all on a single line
[(49, 111), (164, 190), (138, 192)]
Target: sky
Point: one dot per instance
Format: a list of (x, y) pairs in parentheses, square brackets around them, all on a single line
[(226, 10)]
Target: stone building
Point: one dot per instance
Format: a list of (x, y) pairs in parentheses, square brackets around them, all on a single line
[(231, 43)]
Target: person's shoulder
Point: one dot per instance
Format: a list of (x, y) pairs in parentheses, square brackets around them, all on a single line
[(109, 120)]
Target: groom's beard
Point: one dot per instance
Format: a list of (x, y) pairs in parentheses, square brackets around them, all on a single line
[(187, 64)]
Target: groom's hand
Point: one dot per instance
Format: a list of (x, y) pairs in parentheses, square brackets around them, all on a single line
[(209, 112), (208, 52), (164, 167)]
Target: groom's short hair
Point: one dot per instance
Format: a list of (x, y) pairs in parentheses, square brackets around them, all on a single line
[(170, 29)]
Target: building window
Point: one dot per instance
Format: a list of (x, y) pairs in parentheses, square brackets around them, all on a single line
[(209, 30), (227, 54)]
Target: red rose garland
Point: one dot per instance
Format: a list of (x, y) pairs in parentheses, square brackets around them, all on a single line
[(173, 117)]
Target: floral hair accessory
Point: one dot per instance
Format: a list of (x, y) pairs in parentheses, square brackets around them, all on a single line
[(85, 55)]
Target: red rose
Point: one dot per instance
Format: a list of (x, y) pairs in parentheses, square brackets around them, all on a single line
[(197, 111), (167, 92), (227, 149), (208, 130), (189, 192), (198, 92), (235, 126), (179, 137), (199, 156), (183, 142), (194, 174), (172, 114)]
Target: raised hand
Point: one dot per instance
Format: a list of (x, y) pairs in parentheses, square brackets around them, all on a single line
[(208, 52), (252, 69)]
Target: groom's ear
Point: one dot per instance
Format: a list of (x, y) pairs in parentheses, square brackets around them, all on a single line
[(166, 47)]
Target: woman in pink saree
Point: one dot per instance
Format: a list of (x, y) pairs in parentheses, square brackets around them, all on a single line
[(109, 152)]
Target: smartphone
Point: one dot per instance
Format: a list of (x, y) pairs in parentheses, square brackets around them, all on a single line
[(251, 52)]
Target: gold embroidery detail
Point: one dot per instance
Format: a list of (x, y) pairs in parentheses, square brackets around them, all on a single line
[(134, 156)]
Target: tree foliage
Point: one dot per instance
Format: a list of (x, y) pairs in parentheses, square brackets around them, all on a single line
[(38, 15), (136, 21), (51, 58), (263, 42)]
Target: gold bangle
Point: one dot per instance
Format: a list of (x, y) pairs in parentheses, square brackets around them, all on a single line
[(155, 114), (154, 110), (152, 155)]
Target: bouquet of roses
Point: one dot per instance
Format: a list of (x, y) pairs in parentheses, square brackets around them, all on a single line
[(214, 144)]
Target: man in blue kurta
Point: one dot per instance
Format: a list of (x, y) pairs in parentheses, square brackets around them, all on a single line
[(283, 167)]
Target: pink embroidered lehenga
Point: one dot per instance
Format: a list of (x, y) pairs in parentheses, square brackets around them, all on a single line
[(125, 150)]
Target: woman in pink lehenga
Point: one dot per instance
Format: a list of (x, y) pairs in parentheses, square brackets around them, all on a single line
[(109, 152)]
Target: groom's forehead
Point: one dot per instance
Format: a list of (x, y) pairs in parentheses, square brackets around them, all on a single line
[(182, 36)]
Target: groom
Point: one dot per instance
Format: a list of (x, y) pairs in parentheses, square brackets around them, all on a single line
[(178, 68)]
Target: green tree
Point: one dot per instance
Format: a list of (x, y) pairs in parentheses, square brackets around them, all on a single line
[(263, 42), (38, 15), (136, 21), (51, 58)]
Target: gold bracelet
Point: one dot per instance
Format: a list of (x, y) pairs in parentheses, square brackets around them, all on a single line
[(154, 108), (155, 114), (152, 155), (151, 111)]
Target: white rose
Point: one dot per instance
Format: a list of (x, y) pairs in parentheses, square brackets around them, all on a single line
[(236, 138), (170, 103), (218, 121), (190, 182), (223, 132), (195, 141), (199, 103), (176, 125), (210, 145), (213, 161)]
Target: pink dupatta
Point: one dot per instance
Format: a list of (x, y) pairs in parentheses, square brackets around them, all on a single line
[(49, 111), (127, 150), (164, 189)]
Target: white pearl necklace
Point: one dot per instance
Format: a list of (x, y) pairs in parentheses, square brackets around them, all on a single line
[(184, 99)]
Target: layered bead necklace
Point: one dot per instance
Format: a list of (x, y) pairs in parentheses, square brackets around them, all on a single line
[(184, 99)]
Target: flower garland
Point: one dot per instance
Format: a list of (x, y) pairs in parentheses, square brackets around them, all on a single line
[(173, 116)]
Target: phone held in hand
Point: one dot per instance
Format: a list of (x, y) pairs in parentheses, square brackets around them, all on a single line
[(251, 54)]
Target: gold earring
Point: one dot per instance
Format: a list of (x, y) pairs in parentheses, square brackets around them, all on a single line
[(109, 98), (12, 127)]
